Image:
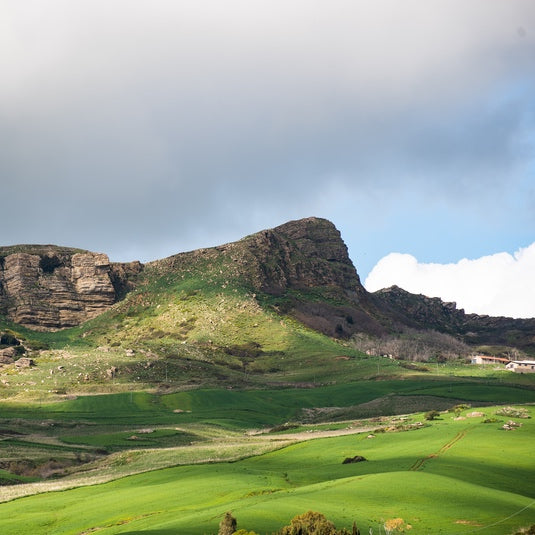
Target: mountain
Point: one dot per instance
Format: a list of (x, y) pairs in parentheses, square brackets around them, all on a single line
[(228, 295)]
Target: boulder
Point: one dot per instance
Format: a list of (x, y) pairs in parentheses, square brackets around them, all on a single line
[(24, 362), (8, 352)]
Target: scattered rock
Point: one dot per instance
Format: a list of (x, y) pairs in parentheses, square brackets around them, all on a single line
[(9, 352), (112, 372), (5, 359), (511, 425), (24, 362), (475, 414), (130, 352)]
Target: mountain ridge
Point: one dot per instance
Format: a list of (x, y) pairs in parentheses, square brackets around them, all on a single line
[(301, 268)]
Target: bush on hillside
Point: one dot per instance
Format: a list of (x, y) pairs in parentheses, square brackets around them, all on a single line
[(457, 409), (526, 531), (309, 523), (228, 525)]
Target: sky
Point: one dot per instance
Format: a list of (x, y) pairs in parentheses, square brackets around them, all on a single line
[(146, 128)]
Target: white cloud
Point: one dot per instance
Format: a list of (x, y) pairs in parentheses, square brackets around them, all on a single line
[(497, 285)]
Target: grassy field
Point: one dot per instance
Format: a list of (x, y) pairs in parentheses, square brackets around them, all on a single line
[(453, 476)]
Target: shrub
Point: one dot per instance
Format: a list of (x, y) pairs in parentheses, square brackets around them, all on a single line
[(36, 345), (432, 415), (227, 526), (457, 409), (7, 339), (309, 523), (49, 263), (526, 531), (394, 525)]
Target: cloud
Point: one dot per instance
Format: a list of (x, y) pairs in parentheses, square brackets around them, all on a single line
[(144, 128), (496, 285)]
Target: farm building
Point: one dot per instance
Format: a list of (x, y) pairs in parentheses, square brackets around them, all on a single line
[(485, 359), (522, 366)]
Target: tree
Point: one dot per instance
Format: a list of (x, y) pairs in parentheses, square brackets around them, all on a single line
[(457, 409), (309, 523), (228, 525), (432, 415)]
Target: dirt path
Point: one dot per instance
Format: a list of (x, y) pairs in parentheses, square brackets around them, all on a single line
[(420, 462), (309, 435)]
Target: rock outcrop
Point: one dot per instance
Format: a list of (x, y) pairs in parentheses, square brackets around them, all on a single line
[(304, 254), (50, 288), (421, 312)]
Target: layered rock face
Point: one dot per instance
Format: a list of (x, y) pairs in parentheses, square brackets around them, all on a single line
[(50, 288), (304, 254), (306, 263)]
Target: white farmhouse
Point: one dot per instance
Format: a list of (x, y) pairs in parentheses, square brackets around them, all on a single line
[(522, 366), (485, 359)]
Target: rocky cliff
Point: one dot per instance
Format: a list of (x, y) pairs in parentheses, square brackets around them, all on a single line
[(421, 312), (304, 254), (49, 287)]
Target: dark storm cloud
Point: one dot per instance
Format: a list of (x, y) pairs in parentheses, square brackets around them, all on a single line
[(144, 128)]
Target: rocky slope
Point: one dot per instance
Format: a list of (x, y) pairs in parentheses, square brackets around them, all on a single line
[(421, 312), (301, 268), (49, 287)]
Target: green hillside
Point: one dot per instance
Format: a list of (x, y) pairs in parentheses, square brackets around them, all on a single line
[(453, 476)]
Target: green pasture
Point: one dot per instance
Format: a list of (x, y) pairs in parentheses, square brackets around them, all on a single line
[(251, 408), (452, 477), (144, 438)]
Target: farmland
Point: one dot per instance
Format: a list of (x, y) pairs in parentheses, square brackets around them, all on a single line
[(208, 451)]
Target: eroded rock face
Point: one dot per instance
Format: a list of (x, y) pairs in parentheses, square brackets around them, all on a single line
[(50, 288), (303, 254)]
